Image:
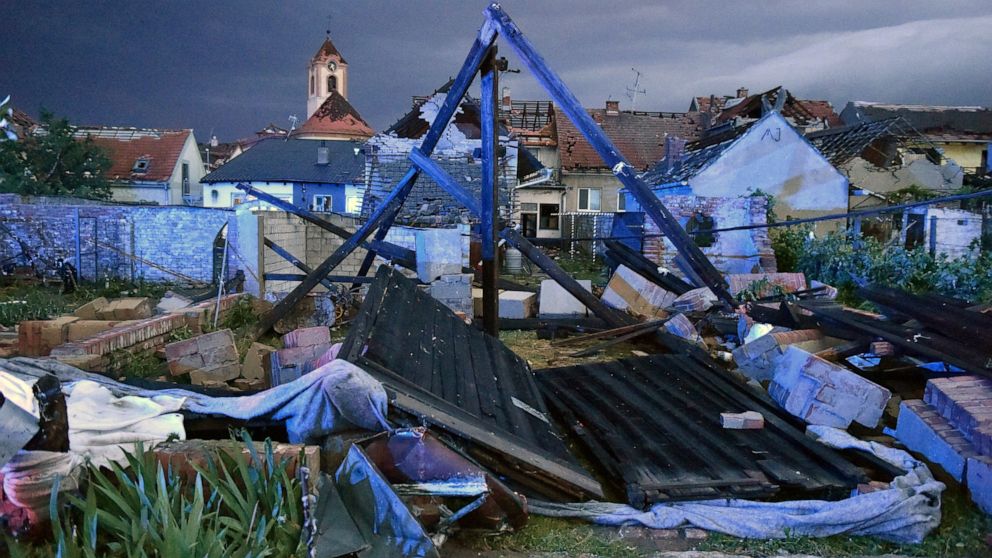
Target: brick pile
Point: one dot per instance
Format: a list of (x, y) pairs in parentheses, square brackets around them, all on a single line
[(952, 427)]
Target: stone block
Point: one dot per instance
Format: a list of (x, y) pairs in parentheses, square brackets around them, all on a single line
[(979, 482), (126, 309), (757, 359), (820, 392), (629, 291), (439, 252), (555, 302), (89, 310), (307, 336), (922, 430), (257, 362), (208, 357), (517, 304), (748, 420), (84, 329)]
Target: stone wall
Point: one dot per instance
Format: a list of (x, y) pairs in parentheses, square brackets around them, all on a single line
[(747, 251), (180, 239)]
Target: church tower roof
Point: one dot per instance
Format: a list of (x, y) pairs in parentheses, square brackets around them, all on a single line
[(326, 51)]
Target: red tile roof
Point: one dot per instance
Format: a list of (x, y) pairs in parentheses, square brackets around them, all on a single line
[(640, 137), (327, 50), (125, 146), (336, 116)]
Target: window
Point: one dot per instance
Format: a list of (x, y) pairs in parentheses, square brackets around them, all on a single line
[(621, 202), (332, 83), (324, 204), (590, 199), (548, 216), (141, 165), (528, 206), (185, 175), (312, 92), (701, 222), (214, 195), (353, 204)]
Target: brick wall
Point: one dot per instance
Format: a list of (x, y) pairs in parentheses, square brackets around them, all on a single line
[(177, 238), (748, 251)]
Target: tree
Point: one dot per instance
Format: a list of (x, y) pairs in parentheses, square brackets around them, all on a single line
[(54, 163)]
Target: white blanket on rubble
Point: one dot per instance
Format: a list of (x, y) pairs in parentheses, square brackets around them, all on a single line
[(904, 513)]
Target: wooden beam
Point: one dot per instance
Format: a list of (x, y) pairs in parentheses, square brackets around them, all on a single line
[(534, 254), (489, 226), (385, 214), (649, 202), (616, 340), (297, 263), (328, 279), (607, 333)]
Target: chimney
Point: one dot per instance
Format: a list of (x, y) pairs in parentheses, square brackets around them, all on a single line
[(323, 154), (741, 92), (612, 108), (507, 105), (213, 141), (674, 151)]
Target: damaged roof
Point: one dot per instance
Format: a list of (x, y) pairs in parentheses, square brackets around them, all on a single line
[(943, 123), (328, 50), (803, 112), (158, 148), (640, 136), (336, 116), (696, 156), (294, 160)]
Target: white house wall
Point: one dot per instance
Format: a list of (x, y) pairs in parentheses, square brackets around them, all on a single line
[(773, 158), (227, 191)]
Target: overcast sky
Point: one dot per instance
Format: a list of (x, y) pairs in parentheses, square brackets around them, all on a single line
[(229, 68)]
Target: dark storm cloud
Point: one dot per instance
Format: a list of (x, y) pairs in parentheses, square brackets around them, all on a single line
[(231, 67)]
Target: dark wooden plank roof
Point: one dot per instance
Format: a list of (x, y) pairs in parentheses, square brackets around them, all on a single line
[(653, 425), (444, 372)]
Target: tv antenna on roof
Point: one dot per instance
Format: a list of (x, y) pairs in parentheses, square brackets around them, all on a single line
[(633, 91), (293, 119)]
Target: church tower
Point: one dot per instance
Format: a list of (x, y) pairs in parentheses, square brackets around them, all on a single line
[(327, 72)]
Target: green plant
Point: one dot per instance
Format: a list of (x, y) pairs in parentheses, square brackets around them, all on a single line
[(234, 507), (140, 365), (789, 243), (240, 316), (759, 289)]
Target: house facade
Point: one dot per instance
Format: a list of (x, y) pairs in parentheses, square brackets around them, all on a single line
[(767, 156), (148, 165), (319, 175), (962, 133)]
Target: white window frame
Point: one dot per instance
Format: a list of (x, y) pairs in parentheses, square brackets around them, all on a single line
[(314, 206), (621, 202), (353, 204), (578, 201)]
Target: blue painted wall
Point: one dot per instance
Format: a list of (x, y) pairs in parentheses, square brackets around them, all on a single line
[(303, 194)]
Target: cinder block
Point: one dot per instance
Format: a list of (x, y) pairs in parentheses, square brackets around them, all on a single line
[(821, 392), (555, 302), (307, 336), (517, 304), (439, 252), (696, 300), (84, 329), (629, 291), (257, 362)]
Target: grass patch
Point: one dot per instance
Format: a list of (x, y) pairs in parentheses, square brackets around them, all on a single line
[(552, 534), (45, 301)]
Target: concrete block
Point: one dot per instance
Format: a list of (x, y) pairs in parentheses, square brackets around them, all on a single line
[(979, 482), (555, 302), (208, 357), (126, 309), (629, 291), (517, 304), (748, 420), (55, 332), (922, 430), (439, 252), (222, 373), (89, 310), (820, 392), (681, 326), (757, 359), (307, 336), (696, 300)]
